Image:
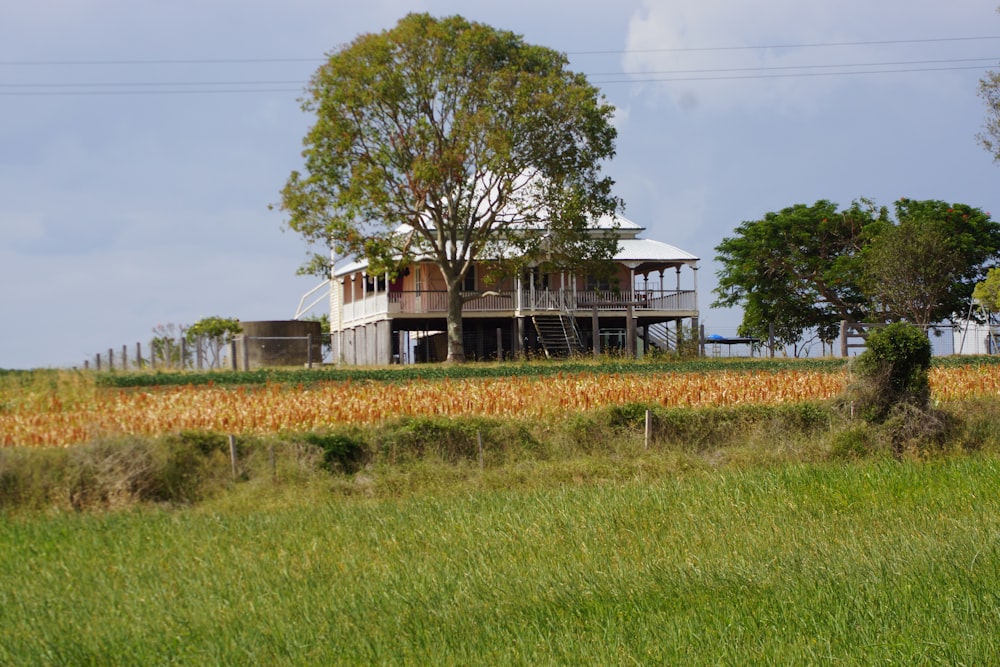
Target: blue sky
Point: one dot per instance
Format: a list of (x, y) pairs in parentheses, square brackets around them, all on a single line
[(141, 142)]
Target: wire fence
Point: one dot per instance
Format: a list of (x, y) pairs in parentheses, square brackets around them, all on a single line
[(946, 340), (248, 352), (204, 353)]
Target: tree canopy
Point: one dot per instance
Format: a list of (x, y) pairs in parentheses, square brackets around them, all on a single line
[(797, 269), (452, 141), (809, 267), (987, 291), (989, 93), (217, 332)]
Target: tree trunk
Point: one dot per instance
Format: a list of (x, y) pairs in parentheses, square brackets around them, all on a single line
[(456, 345)]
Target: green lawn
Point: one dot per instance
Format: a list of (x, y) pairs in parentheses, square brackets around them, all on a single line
[(874, 562)]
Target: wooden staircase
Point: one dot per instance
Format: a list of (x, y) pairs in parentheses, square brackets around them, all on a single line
[(558, 334)]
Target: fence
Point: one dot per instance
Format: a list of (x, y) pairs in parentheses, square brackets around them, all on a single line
[(946, 340), (246, 352), (240, 353)]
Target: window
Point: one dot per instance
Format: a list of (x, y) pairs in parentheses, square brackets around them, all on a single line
[(598, 284), (469, 284), (540, 278)]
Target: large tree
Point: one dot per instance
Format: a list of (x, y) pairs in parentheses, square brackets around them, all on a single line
[(924, 268), (809, 267), (797, 269), (454, 142), (989, 92)]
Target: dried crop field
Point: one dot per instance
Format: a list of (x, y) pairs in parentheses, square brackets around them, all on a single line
[(47, 416)]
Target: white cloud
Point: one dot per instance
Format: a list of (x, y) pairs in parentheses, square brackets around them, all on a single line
[(695, 44)]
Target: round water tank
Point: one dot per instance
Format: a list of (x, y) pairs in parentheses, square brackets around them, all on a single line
[(281, 343)]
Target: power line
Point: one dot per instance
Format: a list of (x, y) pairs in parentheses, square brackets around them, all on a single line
[(661, 76), (667, 76), (792, 75), (806, 67), (192, 61), (242, 61), (83, 93), (883, 42), (139, 84)]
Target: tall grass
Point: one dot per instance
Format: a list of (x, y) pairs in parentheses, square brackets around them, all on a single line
[(852, 563)]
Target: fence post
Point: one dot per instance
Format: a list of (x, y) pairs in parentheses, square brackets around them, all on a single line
[(843, 338), (232, 353), (309, 351), (232, 453), (649, 428), (479, 440), (111, 359), (138, 354), (97, 365), (246, 351), (499, 344), (124, 357)]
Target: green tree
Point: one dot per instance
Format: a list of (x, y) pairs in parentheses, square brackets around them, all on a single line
[(924, 268), (989, 92), (810, 267), (987, 291), (452, 141), (797, 269), (893, 370), (908, 270), (216, 332)]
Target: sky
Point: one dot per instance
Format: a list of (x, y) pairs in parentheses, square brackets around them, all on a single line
[(141, 142)]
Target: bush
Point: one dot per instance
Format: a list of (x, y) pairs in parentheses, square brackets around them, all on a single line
[(454, 440), (341, 452), (124, 471), (893, 370), (31, 477)]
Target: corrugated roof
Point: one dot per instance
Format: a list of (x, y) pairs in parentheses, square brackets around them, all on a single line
[(648, 250), (630, 249)]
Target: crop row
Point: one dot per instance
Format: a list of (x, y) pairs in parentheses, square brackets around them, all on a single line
[(274, 408)]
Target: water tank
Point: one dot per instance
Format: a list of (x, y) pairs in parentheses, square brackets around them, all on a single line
[(279, 343)]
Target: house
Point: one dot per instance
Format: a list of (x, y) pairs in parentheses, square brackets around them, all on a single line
[(650, 302)]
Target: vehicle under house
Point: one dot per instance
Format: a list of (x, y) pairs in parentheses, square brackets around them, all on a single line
[(651, 301)]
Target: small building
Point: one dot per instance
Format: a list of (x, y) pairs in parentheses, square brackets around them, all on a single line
[(375, 319), (973, 337)]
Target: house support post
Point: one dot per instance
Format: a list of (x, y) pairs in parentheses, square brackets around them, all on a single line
[(595, 328), (630, 332), (518, 347)]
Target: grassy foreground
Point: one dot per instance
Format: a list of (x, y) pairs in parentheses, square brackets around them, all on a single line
[(863, 562)]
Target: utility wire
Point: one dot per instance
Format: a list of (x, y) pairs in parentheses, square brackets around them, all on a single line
[(238, 61), (813, 45), (661, 76)]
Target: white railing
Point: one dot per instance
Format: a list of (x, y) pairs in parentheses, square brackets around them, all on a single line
[(508, 302), (639, 300)]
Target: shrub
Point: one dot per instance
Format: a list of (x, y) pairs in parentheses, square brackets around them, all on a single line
[(893, 370), (454, 440), (342, 452), (854, 442), (30, 477)]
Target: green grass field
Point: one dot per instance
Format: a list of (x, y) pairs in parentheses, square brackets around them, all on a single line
[(849, 563)]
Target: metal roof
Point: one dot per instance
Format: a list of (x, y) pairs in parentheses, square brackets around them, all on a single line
[(632, 251)]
